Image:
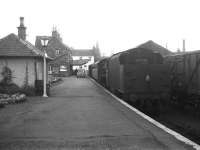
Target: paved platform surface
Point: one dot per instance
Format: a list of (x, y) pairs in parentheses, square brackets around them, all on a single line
[(79, 116)]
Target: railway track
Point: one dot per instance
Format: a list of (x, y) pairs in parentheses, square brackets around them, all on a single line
[(184, 122)]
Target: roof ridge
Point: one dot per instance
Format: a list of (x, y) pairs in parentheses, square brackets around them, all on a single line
[(43, 36), (144, 43), (158, 45), (4, 38), (81, 49), (152, 42), (31, 47)]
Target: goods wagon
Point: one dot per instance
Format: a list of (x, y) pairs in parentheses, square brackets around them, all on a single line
[(185, 78), (140, 76), (103, 72)]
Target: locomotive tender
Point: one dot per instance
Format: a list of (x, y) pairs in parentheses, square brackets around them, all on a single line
[(185, 78), (138, 75)]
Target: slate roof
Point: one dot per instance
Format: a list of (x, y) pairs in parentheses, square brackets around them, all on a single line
[(155, 47), (12, 45), (82, 52)]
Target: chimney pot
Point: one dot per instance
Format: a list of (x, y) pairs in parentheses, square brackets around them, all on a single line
[(21, 20)]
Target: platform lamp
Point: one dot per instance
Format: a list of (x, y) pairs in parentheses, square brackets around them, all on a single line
[(44, 45)]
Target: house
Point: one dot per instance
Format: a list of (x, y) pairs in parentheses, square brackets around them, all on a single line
[(156, 47), (24, 59), (61, 65), (82, 58), (61, 54)]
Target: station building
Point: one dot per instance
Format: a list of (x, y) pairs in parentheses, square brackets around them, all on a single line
[(23, 59)]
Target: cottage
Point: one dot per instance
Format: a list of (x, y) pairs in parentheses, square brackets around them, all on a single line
[(24, 60)]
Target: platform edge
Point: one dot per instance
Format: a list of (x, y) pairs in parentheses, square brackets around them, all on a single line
[(177, 135)]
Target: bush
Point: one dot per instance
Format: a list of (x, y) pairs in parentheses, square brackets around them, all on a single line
[(13, 89), (6, 85), (7, 76), (9, 88)]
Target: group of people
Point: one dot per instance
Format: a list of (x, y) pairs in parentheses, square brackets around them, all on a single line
[(80, 73)]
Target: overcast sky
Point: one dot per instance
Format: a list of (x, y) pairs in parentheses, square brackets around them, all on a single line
[(116, 24)]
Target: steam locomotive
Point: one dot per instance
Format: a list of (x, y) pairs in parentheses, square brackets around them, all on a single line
[(137, 75)]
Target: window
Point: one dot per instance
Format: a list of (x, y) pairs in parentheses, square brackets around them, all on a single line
[(57, 52), (63, 68)]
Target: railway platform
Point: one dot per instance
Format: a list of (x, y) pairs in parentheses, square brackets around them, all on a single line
[(81, 115)]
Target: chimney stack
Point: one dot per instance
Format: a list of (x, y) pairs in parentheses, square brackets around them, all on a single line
[(22, 29)]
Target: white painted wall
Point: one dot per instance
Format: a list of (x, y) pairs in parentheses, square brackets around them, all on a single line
[(18, 67)]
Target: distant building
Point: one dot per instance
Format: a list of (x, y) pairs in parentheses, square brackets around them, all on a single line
[(96, 51), (23, 58), (155, 47), (56, 49), (82, 58)]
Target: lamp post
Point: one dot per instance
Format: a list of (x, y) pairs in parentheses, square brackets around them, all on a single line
[(44, 45)]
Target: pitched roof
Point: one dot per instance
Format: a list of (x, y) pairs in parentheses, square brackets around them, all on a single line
[(155, 47), (82, 52), (53, 44), (50, 38), (11, 45), (38, 43)]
